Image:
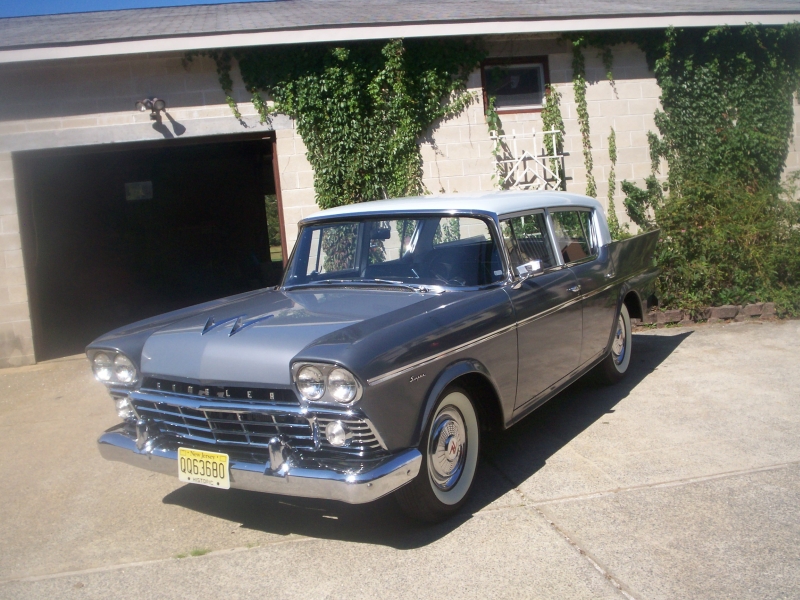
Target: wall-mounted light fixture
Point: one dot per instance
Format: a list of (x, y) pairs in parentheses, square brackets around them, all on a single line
[(154, 105)]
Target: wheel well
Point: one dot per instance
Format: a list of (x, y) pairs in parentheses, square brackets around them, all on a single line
[(486, 400), (634, 305)]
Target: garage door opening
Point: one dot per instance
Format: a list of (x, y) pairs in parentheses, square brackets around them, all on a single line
[(113, 236)]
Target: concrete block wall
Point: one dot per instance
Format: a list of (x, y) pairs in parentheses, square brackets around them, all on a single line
[(793, 158), (296, 182), (627, 105), (457, 153), (16, 337), (91, 101), (457, 156)]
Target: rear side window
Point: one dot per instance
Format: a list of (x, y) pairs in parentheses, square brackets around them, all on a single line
[(527, 241), (574, 235)]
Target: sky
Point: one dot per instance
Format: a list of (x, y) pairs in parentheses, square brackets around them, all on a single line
[(22, 8)]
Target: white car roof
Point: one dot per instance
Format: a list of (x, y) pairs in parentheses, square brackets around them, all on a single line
[(499, 204)]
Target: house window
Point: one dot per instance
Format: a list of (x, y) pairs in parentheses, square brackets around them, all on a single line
[(517, 85)]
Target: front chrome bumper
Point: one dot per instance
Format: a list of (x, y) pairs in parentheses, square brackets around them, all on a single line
[(119, 444)]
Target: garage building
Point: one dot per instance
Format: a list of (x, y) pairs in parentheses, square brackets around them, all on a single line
[(108, 216)]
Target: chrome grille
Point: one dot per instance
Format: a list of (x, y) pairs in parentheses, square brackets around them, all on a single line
[(234, 428), (250, 426)]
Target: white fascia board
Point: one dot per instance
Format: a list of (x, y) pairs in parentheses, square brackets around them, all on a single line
[(344, 34)]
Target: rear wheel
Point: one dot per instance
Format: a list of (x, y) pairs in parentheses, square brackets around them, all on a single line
[(615, 365), (449, 458)]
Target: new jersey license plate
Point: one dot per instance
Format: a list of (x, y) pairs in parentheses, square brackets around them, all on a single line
[(204, 468)]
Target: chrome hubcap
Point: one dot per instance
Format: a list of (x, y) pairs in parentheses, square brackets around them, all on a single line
[(447, 449), (618, 347)]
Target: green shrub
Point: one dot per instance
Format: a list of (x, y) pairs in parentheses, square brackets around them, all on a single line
[(721, 243), (729, 230)]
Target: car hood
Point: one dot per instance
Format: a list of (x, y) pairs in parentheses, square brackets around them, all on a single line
[(254, 339)]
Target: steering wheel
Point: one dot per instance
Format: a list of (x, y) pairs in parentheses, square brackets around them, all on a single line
[(441, 271)]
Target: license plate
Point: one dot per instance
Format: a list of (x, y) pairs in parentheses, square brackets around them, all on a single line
[(204, 468)]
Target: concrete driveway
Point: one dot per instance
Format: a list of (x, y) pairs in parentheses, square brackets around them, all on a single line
[(681, 482)]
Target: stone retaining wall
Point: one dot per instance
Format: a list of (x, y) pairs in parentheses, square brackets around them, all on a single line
[(719, 314)]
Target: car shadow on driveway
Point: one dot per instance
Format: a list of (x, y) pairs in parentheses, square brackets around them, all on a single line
[(509, 458)]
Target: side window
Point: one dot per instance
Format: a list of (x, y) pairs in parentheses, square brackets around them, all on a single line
[(527, 241), (574, 234)]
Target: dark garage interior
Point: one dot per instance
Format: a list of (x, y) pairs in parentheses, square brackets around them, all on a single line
[(115, 235)]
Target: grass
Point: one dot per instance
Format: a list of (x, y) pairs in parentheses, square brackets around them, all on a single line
[(194, 552)]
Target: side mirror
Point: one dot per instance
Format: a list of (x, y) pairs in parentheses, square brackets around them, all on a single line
[(529, 268)]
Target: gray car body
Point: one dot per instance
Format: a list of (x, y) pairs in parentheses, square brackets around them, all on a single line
[(406, 347)]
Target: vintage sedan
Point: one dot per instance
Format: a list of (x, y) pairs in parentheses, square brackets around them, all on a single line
[(402, 331)]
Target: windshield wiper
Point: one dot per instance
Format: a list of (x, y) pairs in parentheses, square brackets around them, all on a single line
[(362, 282)]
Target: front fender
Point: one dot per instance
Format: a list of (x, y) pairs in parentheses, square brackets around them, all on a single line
[(448, 375)]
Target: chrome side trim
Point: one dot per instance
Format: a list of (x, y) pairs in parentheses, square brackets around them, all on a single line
[(355, 488), (435, 357), (484, 338), (549, 311), (600, 290)]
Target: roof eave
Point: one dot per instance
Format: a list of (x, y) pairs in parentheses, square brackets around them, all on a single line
[(384, 31)]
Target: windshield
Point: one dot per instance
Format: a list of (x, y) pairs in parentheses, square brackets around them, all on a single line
[(429, 251)]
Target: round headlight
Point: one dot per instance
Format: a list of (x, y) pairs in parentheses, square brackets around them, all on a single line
[(342, 385), (124, 369), (102, 366), (310, 382)]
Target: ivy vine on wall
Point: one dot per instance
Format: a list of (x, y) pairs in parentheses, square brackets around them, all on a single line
[(579, 86), (615, 229), (361, 109), (553, 121)]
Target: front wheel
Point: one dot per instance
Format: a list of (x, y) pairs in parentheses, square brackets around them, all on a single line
[(615, 365), (449, 458)]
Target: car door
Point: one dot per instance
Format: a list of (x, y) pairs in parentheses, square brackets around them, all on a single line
[(577, 243), (546, 306)]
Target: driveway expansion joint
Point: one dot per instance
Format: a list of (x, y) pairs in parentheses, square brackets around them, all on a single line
[(665, 484), (616, 583), (121, 566), (572, 541)]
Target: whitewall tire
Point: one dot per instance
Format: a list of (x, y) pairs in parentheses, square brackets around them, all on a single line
[(449, 449), (616, 363)]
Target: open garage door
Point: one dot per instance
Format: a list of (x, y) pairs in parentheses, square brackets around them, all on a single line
[(115, 235)]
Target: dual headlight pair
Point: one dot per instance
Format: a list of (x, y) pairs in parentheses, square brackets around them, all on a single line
[(319, 382), (114, 367)]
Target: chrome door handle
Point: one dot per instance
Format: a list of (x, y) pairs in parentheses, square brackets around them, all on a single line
[(611, 275), (574, 288)]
